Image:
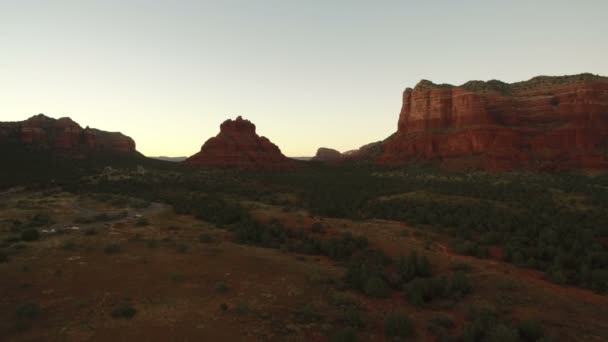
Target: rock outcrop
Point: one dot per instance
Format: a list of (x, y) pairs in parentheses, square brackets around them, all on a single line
[(325, 154), (238, 145), (63, 136), (543, 123)]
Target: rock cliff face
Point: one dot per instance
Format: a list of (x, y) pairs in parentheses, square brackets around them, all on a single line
[(238, 145), (63, 136), (545, 123), (325, 154)]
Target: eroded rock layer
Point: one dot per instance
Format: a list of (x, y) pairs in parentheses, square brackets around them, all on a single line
[(546, 123), (238, 145), (63, 136)]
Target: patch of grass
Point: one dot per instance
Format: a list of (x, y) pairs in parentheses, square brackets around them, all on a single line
[(124, 310)]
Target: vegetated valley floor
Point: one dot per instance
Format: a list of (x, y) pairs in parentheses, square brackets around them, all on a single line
[(113, 266)]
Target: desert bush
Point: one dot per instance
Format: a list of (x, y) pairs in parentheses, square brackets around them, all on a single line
[(350, 316), (398, 324), (3, 256), (242, 308), (376, 287), (90, 231), (28, 311), (69, 245), (152, 243), (30, 234), (205, 238), (308, 314), (530, 330), (317, 227), (142, 222), (221, 287), (344, 299), (40, 219), (413, 266), (124, 310), (112, 248), (347, 334), (182, 248)]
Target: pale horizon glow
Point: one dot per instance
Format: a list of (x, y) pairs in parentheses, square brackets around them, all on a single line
[(307, 74)]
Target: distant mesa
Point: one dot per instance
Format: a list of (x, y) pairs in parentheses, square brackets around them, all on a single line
[(325, 154), (63, 136), (238, 145), (544, 123)]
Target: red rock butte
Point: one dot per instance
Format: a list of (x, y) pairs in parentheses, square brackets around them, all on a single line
[(62, 135), (238, 145), (544, 123)]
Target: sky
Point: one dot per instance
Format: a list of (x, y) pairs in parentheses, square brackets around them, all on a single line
[(307, 73)]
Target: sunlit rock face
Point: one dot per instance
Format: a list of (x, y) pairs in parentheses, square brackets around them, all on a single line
[(546, 122), (63, 135), (238, 145)]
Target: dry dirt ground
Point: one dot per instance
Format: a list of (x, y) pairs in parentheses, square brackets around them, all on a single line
[(186, 290)]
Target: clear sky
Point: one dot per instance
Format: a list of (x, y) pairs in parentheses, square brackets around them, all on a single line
[(307, 73)]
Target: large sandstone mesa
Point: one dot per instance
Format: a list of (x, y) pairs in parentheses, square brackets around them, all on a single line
[(63, 136), (238, 145), (325, 154), (545, 123)]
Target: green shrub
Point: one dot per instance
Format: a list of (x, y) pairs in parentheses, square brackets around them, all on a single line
[(142, 222), (112, 248), (30, 235), (308, 314), (205, 238), (530, 330), (152, 243), (413, 266), (221, 287), (3, 257), (182, 248), (317, 227), (398, 325), (347, 334), (124, 310), (350, 316), (28, 311), (376, 287), (90, 231), (502, 333)]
